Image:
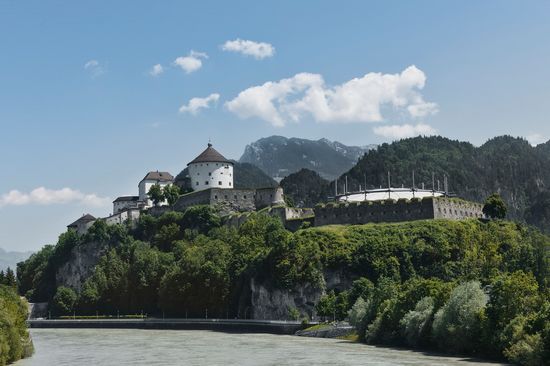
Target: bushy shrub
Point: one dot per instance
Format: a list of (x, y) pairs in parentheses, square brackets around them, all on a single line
[(456, 324), (15, 342), (416, 324)]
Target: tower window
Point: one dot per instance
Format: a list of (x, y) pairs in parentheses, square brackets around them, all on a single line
[(206, 182), (209, 174), (229, 183), (196, 183), (219, 182)]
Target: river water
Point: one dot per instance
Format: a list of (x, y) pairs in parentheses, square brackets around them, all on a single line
[(99, 347)]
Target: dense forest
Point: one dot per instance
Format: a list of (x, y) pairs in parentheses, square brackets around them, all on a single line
[(472, 287), (15, 342), (507, 165)]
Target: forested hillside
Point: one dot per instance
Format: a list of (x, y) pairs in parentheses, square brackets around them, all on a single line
[(508, 165), (305, 188), (468, 286)]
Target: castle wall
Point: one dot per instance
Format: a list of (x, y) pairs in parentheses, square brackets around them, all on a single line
[(450, 208), (269, 197), (396, 211), (192, 199), (122, 217), (231, 200)]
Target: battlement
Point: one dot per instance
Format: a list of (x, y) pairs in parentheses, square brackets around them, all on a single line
[(356, 213)]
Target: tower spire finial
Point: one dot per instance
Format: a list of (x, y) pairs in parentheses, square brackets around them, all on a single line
[(209, 142)]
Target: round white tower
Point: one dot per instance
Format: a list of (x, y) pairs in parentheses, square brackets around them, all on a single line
[(210, 170)]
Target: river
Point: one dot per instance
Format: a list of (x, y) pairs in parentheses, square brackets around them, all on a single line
[(99, 347)]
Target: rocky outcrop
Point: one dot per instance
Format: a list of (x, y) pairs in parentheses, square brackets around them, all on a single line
[(80, 265), (261, 300)]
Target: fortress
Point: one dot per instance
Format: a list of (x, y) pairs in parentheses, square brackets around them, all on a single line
[(211, 181)]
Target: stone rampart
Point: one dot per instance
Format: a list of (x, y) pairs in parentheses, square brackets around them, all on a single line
[(355, 213)]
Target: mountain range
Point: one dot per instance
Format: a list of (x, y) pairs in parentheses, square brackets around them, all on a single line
[(280, 156)]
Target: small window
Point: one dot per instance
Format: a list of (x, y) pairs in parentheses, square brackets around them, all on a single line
[(198, 173), (209, 174), (230, 183), (225, 196), (219, 182), (196, 183), (206, 164), (206, 182), (244, 197), (215, 197), (235, 196)]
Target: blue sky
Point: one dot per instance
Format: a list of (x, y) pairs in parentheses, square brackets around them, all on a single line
[(80, 109)]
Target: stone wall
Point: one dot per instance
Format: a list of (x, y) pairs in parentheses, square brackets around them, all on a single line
[(355, 213), (231, 200), (451, 208), (131, 215)]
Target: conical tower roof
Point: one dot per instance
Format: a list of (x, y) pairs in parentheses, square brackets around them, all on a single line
[(210, 155)]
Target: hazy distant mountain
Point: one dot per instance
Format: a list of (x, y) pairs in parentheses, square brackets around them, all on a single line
[(10, 259), (279, 156), (245, 176)]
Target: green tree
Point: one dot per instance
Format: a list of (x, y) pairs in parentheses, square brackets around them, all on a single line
[(171, 193), (456, 325), (156, 194), (495, 207), (64, 300), (9, 279)]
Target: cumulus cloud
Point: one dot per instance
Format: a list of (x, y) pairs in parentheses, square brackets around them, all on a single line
[(536, 138), (191, 62), (94, 68), (258, 50), (357, 100), (403, 131), (156, 70), (44, 196), (196, 104)]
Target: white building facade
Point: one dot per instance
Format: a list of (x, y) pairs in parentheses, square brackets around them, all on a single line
[(210, 170), (163, 179)]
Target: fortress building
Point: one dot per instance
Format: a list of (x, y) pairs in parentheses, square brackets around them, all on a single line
[(161, 178), (210, 170), (211, 181), (211, 176)]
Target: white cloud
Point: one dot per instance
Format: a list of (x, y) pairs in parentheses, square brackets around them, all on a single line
[(191, 62), (156, 70), (195, 104), (44, 196), (94, 68), (258, 50), (536, 138), (404, 131), (357, 100)]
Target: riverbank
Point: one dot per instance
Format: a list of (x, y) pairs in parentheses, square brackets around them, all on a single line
[(326, 330), (223, 325)]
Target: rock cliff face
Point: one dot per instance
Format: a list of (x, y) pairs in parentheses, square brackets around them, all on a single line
[(264, 301), (80, 265)]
